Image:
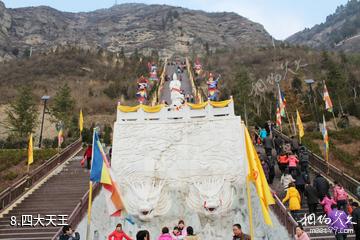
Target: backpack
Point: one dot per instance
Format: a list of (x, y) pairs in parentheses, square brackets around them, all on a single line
[(341, 194)]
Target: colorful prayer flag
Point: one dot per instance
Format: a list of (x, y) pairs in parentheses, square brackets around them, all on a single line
[(282, 103), (60, 137), (326, 139), (101, 173), (328, 103)]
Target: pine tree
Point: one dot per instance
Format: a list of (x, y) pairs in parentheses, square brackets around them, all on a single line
[(22, 113), (63, 106)]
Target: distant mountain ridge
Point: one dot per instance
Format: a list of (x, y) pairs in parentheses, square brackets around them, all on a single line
[(340, 31), (164, 28)]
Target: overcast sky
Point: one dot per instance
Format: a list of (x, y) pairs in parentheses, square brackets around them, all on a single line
[(281, 18)]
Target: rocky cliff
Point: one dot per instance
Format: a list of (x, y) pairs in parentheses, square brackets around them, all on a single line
[(163, 28)]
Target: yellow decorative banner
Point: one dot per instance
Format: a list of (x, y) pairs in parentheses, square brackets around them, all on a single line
[(152, 109), (128, 108), (149, 109), (198, 105), (220, 104)]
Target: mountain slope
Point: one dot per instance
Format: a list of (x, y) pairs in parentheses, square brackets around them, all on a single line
[(129, 26), (341, 30)]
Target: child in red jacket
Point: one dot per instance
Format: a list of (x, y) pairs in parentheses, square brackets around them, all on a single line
[(118, 234)]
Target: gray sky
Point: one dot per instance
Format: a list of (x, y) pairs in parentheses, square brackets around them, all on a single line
[(281, 18)]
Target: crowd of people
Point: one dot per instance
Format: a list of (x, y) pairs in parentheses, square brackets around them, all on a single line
[(292, 160), (179, 232)]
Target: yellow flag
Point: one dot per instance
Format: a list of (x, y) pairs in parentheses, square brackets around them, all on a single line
[(30, 151), (257, 176), (299, 124), (81, 121)]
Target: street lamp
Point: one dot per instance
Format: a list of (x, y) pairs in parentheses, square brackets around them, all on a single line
[(45, 99), (312, 99)]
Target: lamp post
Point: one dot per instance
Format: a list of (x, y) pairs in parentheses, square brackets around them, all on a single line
[(312, 99), (45, 99)]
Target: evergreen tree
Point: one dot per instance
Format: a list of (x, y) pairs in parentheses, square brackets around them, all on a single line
[(22, 113), (63, 106)]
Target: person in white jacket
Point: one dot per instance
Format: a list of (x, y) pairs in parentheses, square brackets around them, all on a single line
[(286, 179)]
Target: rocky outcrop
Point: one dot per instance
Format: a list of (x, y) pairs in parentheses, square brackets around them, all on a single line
[(163, 28), (340, 31)]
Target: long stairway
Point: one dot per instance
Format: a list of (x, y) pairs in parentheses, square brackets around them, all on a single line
[(58, 196), (185, 83), (319, 230)]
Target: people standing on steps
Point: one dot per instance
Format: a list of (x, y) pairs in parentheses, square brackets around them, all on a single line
[(295, 145), (293, 196), (339, 223), (88, 155), (143, 235), (118, 234), (311, 197), (262, 134), (190, 235), (286, 179), (300, 234), (283, 161), (356, 219), (321, 185), (239, 234), (182, 228), (176, 234), (327, 202), (165, 235), (68, 234), (268, 145), (293, 161), (278, 142), (340, 196)]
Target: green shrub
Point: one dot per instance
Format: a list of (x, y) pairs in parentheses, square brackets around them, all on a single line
[(343, 156), (313, 147), (10, 176), (12, 157)]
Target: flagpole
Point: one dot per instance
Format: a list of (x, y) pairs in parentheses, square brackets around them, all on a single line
[(89, 212), (334, 120), (249, 207), (287, 116), (293, 123), (90, 192)]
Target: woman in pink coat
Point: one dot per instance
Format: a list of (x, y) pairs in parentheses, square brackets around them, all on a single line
[(165, 234), (293, 161), (300, 234), (326, 203)]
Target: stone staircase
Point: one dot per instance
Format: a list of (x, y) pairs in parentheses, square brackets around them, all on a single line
[(57, 196)]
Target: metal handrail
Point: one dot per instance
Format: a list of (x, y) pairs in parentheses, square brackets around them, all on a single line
[(16, 190), (328, 170)]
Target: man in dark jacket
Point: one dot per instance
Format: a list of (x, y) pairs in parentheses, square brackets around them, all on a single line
[(295, 145), (68, 234), (278, 142), (238, 234), (311, 197), (268, 145), (321, 185), (356, 219)]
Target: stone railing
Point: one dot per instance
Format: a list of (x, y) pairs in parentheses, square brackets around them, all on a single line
[(191, 78), (156, 96), (167, 113)]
